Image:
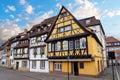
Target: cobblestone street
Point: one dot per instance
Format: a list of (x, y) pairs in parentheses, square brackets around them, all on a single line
[(19, 75)]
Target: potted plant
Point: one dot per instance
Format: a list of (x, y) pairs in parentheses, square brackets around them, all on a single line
[(41, 53), (23, 53), (15, 54), (38, 41), (35, 53)]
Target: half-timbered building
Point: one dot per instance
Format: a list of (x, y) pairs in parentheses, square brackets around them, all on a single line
[(21, 52), (72, 47), (38, 33)]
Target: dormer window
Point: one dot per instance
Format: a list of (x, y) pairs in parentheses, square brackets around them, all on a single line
[(45, 28), (42, 27), (63, 15), (88, 21), (49, 24), (38, 29), (31, 31)]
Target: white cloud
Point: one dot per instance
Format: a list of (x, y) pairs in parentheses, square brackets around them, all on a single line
[(17, 20), (114, 13), (12, 16), (6, 10), (58, 5), (22, 2), (85, 8), (38, 19), (12, 8), (8, 29), (29, 9), (70, 6)]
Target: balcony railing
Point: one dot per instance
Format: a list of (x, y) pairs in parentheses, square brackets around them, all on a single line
[(21, 55), (71, 57)]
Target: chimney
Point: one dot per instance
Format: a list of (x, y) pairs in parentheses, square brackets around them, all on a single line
[(25, 31)]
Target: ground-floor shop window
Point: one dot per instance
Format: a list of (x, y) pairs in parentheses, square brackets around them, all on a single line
[(24, 63), (81, 65), (42, 64), (34, 64), (58, 66)]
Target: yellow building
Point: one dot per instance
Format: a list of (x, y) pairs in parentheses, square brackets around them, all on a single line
[(72, 47)]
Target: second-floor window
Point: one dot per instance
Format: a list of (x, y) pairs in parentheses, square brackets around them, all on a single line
[(77, 44), (52, 46), (49, 47), (83, 43), (65, 45), (70, 45)]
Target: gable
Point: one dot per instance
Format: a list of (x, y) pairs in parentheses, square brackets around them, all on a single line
[(65, 26)]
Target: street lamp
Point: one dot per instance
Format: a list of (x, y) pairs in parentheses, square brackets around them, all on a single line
[(68, 58)]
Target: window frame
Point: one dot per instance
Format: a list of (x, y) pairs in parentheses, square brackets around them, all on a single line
[(64, 14), (49, 47), (42, 64), (70, 45), (83, 43), (57, 66), (65, 45), (77, 44), (81, 65), (33, 64)]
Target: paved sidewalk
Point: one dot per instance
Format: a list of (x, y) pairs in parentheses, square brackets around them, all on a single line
[(106, 75)]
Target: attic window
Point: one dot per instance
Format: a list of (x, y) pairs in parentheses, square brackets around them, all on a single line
[(38, 29), (49, 24), (88, 21), (63, 15), (31, 31)]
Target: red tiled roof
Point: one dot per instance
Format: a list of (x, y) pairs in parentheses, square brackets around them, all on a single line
[(111, 39)]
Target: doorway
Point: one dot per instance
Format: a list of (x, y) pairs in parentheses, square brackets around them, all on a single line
[(17, 65), (75, 68)]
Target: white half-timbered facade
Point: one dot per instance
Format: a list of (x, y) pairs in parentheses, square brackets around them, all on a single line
[(21, 52), (38, 59)]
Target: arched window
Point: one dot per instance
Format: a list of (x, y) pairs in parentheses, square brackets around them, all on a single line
[(49, 47), (65, 45), (83, 43), (58, 46)]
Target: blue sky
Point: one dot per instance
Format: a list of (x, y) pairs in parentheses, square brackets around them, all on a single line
[(15, 15)]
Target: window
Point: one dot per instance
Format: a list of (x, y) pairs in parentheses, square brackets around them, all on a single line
[(83, 43), (65, 45), (81, 65), (35, 51), (49, 47), (58, 66), (42, 64), (24, 63), (63, 29), (70, 45), (88, 21), (63, 15), (33, 64), (42, 50), (57, 46), (67, 28), (52, 46), (77, 44)]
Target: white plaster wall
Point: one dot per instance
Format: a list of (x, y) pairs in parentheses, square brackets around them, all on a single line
[(38, 56), (37, 69), (101, 37), (20, 63), (12, 52)]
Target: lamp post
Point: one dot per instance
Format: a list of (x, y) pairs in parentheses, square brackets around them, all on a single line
[(68, 58)]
